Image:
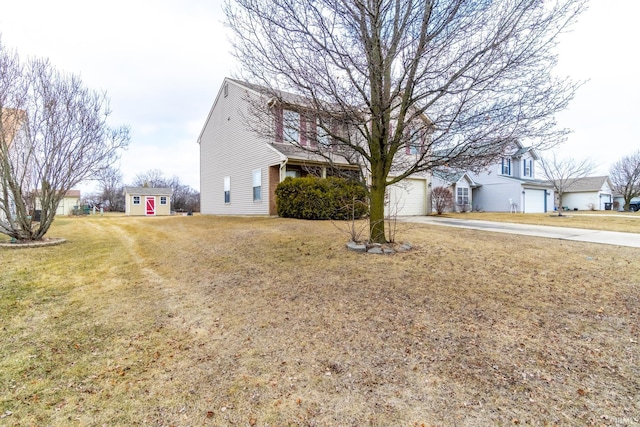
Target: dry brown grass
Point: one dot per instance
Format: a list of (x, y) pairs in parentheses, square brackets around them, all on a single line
[(596, 220), (266, 321)]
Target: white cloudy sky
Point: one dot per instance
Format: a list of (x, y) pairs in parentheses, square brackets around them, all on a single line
[(162, 62)]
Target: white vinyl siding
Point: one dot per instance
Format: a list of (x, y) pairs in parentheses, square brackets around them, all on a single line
[(229, 148)]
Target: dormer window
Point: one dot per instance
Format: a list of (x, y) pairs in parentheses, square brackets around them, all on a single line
[(527, 167), (506, 166)]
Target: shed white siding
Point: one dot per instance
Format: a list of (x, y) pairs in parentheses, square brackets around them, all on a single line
[(228, 148)]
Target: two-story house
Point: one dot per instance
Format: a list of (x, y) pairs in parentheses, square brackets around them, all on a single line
[(511, 185), (243, 159)]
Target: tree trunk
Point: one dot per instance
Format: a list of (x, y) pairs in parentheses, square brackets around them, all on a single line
[(376, 214), (559, 204)]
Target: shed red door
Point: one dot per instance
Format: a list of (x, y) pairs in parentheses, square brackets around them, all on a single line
[(150, 203)]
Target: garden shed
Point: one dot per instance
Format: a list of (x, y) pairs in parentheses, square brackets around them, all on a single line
[(145, 201)]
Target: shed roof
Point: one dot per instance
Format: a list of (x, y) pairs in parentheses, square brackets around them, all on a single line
[(148, 191)]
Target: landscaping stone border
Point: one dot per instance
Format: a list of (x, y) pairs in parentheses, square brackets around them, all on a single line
[(377, 248), (52, 241)]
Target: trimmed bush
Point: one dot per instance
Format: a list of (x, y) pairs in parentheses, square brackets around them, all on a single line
[(321, 198)]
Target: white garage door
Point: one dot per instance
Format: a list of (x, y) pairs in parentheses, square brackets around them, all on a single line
[(534, 201), (407, 197)]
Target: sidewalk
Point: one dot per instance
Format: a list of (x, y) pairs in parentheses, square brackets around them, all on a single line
[(562, 233)]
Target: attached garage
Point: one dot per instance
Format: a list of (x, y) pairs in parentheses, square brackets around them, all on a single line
[(535, 200), (408, 197)]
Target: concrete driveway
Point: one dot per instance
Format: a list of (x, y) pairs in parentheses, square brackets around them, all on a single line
[(563, 233)]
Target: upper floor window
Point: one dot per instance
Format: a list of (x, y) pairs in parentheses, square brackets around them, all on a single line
[(506, 166), (527, 167), (291, 126), (415, 144), (322, 136)]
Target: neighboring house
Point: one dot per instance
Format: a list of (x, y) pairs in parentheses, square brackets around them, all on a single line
[(589, 193), (145, 201), (69, 203), (511, 185), (618, 201), (461, 185), (241, 168)]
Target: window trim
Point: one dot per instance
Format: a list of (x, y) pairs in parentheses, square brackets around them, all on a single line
[(506, 166), (462, 198)]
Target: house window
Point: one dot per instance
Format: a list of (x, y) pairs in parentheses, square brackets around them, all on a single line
[(227, 189), (257, 185), (163, 200), (415, 144), (292, 173), (463, 196), (506, 166), (528, 167), (291, 125), (322, 136), (136, 200), (226, 90)]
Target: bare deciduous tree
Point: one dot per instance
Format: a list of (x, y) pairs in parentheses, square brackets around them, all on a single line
[(564, 173), (457, 79), (111, 189), (625, 177), (53, 134)]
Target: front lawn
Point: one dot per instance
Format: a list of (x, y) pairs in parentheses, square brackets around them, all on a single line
[(272, 322)]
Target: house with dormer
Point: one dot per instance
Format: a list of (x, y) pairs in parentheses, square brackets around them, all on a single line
[(512, 184), (241, 163), (459, 183)]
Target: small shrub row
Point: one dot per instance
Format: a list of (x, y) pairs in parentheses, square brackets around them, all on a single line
[(321, 198)]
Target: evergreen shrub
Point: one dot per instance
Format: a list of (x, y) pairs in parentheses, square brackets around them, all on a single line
[(321, 198)]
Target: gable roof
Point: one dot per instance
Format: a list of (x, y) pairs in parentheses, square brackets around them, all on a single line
[(148, 191), (589, 183), (452, 176)]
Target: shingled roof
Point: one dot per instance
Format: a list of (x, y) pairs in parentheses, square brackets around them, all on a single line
[(148, 191), (589, 183)]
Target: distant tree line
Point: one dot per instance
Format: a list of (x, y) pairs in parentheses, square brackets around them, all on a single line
[(110, 195)]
